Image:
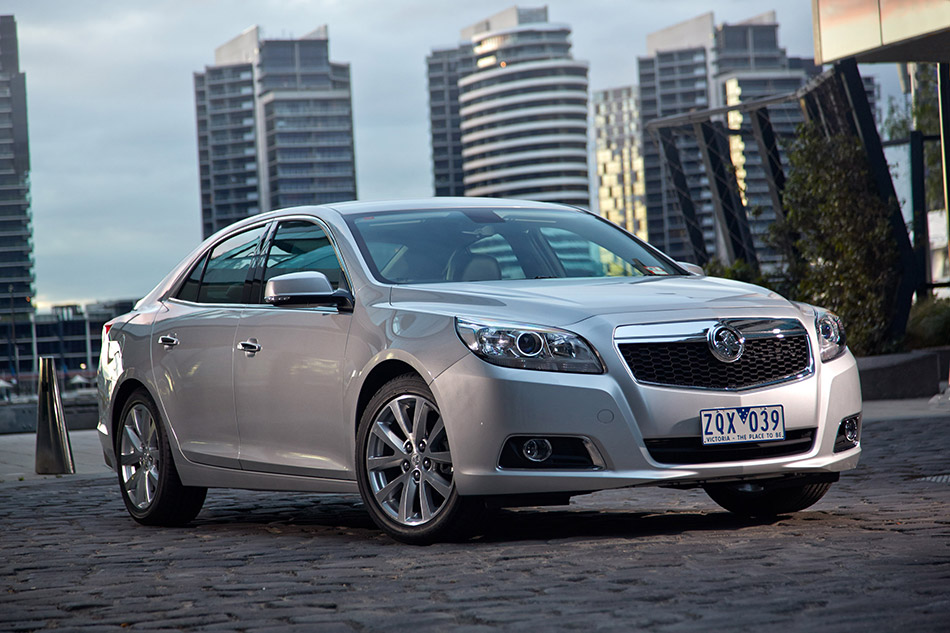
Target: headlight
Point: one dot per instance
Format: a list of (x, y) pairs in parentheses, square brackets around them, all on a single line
[(528, 346), (831, 339)]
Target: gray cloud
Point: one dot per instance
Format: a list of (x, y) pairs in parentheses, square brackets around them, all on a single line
[(113, 148)]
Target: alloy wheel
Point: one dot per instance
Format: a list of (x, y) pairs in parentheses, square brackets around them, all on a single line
[(408, 462), (139, 456)]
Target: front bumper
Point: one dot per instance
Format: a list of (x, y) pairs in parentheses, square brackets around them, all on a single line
[(483, 405)]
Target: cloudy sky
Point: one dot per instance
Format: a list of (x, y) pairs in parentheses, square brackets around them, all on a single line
[(111, 107)]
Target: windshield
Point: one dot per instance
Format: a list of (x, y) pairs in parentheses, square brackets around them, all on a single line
[(409, 247)]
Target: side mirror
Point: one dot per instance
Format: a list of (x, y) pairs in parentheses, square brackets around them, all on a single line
[(693, 269), (305, 288)]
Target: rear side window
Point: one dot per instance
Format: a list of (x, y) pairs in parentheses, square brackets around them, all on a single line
[(219, 276), (189, 290), (301, 246)]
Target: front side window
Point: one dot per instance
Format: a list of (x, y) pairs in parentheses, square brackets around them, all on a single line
[(219, 276), (301, 246), (484, 244)]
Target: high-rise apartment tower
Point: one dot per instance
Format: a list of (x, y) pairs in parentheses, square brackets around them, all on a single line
[(16, 232), (696, 65), (444, 122), (509, 106), (275, 127)]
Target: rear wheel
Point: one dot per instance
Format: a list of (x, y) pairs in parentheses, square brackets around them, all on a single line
[(149, 482), (766, 499), (404, 466)]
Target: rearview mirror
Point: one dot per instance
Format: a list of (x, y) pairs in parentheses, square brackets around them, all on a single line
[(305, 288)]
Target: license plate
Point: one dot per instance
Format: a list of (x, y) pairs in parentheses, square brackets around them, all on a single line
[(743, 424)]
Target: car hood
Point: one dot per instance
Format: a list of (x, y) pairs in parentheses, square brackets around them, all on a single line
[(565, 301)]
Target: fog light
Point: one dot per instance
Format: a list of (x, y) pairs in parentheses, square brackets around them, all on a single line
[(851, 430), (849, 433), (540, 453), (537, 450)]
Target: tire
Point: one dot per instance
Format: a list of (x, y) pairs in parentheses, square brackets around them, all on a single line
[(766, 500), (404, 467), (148, 480)]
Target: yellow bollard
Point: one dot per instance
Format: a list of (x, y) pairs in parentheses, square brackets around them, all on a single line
[(54, 454)]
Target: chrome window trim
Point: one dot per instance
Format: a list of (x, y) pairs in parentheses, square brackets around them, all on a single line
[(195, 304), (697, 331), (302, 308), (244, 307)]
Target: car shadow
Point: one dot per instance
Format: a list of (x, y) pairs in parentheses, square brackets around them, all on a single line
[(343, 516), (303, 510), (554, 524)]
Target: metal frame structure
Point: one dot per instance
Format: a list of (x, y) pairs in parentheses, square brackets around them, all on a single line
[(765, 138), (675, 169), (720, 170), (730, 212), (836, 102)]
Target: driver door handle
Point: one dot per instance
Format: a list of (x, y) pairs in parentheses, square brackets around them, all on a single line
[(251, 346), (168, 341)]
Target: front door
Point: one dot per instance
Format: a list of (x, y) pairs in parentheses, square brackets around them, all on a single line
[(289, 392)]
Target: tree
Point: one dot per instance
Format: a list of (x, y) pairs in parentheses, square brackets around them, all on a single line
[(739, 270), (836, 238)]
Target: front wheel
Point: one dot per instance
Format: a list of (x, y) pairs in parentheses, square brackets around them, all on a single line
[(766, 499), (149, 482), (404, 466)]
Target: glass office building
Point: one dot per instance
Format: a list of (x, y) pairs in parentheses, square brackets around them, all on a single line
[(275, 127), (619, 160)]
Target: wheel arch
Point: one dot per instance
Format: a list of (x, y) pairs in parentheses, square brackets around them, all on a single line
[(377, 377), (123, 393)]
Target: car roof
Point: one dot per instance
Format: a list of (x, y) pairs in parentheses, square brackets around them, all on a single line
[(380, 206), (351, 208)]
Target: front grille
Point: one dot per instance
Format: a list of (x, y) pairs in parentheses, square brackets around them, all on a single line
[(691, 364), (690, 450)]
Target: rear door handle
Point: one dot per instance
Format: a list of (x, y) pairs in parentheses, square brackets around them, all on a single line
[(251, 346), (168, 341)]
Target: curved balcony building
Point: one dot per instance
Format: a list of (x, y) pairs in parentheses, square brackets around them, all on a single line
[(522, 110)]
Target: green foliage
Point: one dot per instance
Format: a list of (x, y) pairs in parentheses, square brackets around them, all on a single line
[(739, 270), (929, 324), (836, 238)]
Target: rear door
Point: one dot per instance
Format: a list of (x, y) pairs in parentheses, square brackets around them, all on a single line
[(289, 392), (193, 349)]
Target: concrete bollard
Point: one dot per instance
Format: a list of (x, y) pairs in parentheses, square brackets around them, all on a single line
[(54, 454)]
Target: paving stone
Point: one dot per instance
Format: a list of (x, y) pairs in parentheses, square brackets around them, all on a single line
[(874, 554)]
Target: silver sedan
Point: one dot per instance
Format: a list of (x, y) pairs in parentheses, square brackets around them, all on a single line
[(448, 355)]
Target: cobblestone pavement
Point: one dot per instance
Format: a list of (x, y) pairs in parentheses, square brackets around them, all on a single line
[(873, 555)]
